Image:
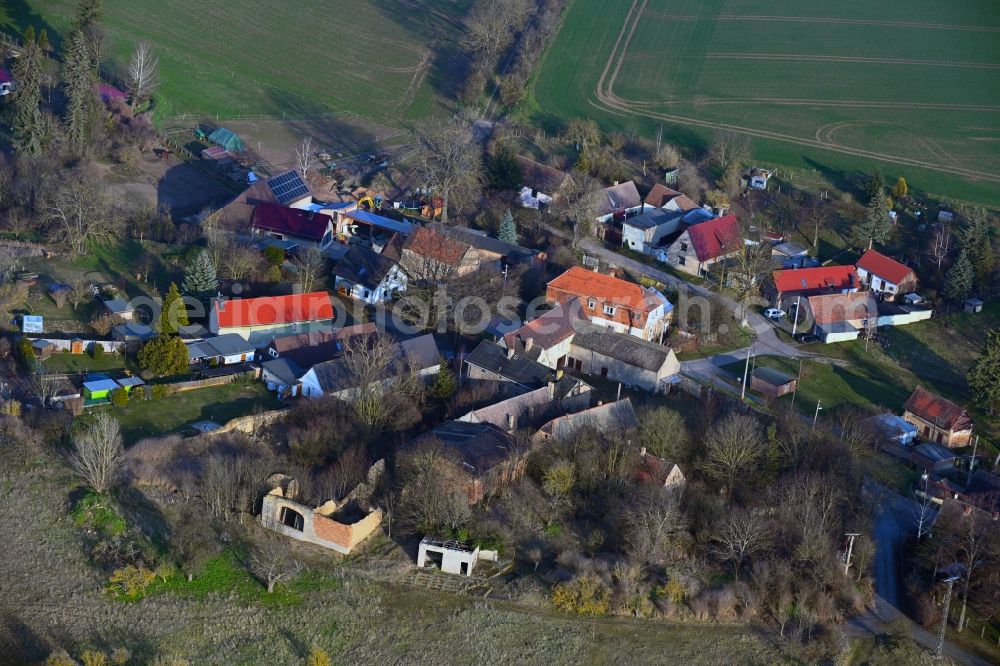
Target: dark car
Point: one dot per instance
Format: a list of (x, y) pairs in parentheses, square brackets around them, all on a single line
[(807, 338)]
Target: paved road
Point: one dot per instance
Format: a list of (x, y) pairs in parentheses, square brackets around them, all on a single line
[(766, 340), (894, 514)]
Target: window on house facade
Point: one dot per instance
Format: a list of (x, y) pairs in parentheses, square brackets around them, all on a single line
[(291, 518), (684, 247), (680, 261), (591, 304), (609, 309)]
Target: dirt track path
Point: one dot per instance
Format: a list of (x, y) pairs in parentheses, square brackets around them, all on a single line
[(606, 100), (826, 20)]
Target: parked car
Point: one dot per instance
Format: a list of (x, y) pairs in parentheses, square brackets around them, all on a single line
[(774, 313), (807, 338)]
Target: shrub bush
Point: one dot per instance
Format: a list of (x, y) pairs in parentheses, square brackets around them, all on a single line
[(130, 580), (584, 595), (119, 398), (97, 352)]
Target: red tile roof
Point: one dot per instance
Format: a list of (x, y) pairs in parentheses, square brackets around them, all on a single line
[(935, 409), (428, 243), (550, 328), (660, 195), (272, 310), (585, 283), (833, 308), (291, 221), (878, 264), (821, 277), (715, 238)]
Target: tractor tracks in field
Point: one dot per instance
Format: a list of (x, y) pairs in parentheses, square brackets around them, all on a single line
[(825, 20), (606, 100)]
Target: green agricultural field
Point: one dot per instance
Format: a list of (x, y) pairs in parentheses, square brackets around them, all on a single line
[(834, 87), (384, 60)]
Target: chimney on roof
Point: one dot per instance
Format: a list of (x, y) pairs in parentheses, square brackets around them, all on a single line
[(600, 403), (529, 344), (552, 390), (642, 452), (510, 353)]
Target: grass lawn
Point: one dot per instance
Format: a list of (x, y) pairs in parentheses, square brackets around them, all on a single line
[(389, 61), (173, 413), (83, 363), (856, 377)]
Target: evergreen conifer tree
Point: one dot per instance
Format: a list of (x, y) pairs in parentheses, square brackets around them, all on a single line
[(29, 132), (29, 35), (958, 282), (43, 40), (173, 314), (78, 84), (199, 277), (984, 378), (876, 225), (508, 228)]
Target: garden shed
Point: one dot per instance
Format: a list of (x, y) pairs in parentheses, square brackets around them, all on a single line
[(99, 389), (771, 382), (226, 139)]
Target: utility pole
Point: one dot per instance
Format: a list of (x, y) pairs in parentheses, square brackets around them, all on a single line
[(972, 461), (746, 370), (850, 549), (795, 322), (944, 617), (797, 381), (505, 268), (816, 415)]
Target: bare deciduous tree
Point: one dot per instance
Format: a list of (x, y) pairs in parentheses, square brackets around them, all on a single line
[(430, 500), (369, 361), (305, 157), (733, 448), (655, 524), (728, 148), (940, 244), (449, 161), (273, 564), (579, 205), (45, 386), (143, 72), (239, 261), (739, 535), (78, 212), (493, 23), (99, 455), (310, 266)]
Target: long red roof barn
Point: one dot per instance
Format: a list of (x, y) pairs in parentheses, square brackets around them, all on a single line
[(273, 310)]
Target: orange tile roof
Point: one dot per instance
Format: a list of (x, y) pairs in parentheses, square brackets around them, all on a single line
[(586, 283), (833, 308), (715, 238), (272, 310)]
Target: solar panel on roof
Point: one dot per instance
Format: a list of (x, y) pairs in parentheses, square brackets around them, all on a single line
[(288, 187)]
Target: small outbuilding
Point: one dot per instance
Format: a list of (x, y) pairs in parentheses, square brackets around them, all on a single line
[(118, 307), (895, 428), (99, 389), (772, 383), (973, 306), (129, 383), (228, 140), (452, 557)]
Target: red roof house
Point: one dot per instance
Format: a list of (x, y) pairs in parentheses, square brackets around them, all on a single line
[(624, 306), (937, 419), (815, 281), (885, 276), (246, 316), (291, 223), (703, 244)]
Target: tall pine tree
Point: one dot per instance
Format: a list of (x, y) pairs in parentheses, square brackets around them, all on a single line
[(78, 84), (976, 238), (984, 378), (959, 280), (173, 313), (90, 23), (876, 225), (29, 130), (508, 229), (199, 277), (874, 186)]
